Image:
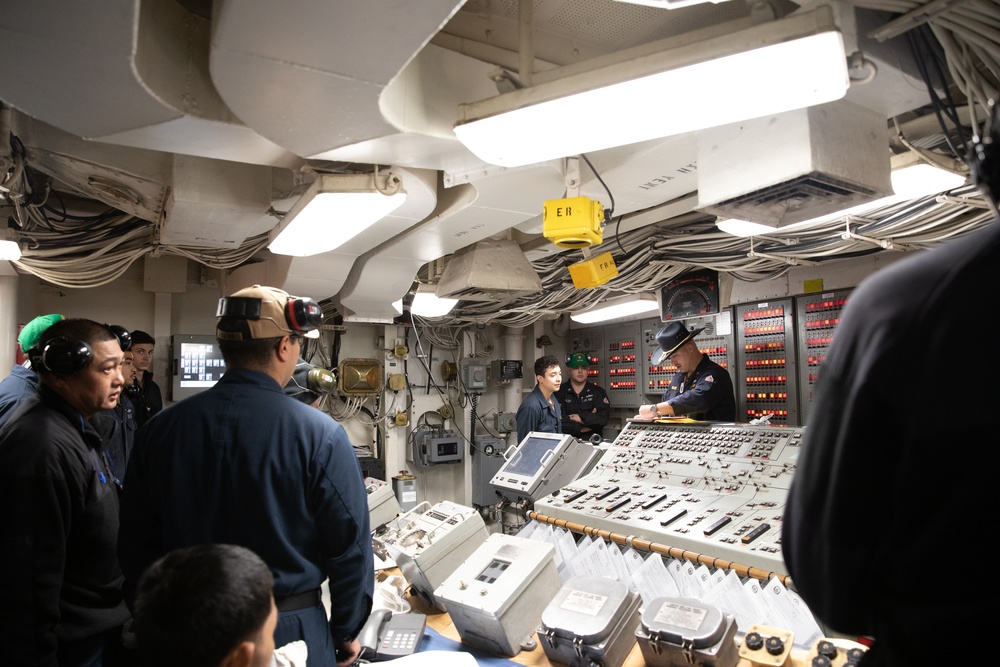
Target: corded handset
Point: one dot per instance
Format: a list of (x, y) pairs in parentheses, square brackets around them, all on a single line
[(386, 635)]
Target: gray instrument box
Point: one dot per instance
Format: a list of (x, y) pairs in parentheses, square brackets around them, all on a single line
[(680, 632), (496, 596), (383, 506), (542, 463), (590, 620), (429, 542)]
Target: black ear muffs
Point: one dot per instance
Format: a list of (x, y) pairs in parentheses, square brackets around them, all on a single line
[(122, 335), (62, 356), (303, 315)]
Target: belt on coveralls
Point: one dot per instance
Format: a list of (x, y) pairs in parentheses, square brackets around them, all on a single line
[(299, 600)]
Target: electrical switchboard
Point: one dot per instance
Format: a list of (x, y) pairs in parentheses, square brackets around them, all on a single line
[(767, 378), (621, 349), (818, 317)]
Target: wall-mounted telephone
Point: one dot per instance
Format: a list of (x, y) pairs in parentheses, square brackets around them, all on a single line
[(387, 635)]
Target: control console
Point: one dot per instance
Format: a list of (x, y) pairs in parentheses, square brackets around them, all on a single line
[(712, 488)]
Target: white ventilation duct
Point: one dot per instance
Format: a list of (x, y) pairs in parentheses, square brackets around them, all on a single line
[(465, 214), (309, 76), (125, 72)]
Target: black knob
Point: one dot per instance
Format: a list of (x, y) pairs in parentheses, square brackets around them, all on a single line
[(855, 654), (829, 649), (775, 645), (821, 661), (753, 641)]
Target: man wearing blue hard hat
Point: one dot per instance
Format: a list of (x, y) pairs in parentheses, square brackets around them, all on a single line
[(585, 406)]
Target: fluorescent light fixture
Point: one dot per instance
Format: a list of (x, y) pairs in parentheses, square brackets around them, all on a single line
[(669, 4), (10, 251), (787, 64), (334, 209), (911, 179), (634, 304), (428, 304)]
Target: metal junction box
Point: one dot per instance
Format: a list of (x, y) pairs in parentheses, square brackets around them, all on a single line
[(680, 632), (383, 506), (590, 620), (496, 597), (428, 543)]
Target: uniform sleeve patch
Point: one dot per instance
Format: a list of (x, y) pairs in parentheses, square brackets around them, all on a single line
[(605, 400), (709, 378)]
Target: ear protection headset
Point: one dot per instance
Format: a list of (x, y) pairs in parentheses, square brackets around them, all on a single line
[(62, 356), (302, 314), (123, 336)]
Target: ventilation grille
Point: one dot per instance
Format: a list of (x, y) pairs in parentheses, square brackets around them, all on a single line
[(810, 192)]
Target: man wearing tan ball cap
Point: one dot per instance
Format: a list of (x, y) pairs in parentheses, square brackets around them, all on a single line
[(243, 463)]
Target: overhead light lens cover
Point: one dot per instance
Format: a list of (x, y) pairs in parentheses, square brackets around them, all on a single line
[(923, 180), (333, 210), (10, 251), (428, 304), (733, 82), (615, 308)]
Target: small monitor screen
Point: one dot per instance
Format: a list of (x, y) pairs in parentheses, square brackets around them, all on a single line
[(528, 459), (198, 364)]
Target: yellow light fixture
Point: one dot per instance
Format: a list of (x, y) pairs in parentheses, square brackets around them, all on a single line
[(334, 209), (688, 85), (912, 178), (634, 304), (428, 304)]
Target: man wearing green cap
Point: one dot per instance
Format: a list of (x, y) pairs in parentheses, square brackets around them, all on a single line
[(585, 406), (23, 381)]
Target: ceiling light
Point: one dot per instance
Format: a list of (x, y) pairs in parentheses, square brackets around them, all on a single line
[(791, 63), (911, 177), (10, 251), (334, 209), (669, 4), (634, 304), (428, 304)]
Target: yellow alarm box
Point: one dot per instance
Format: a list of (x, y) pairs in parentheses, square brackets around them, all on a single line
[(574, 222), (594, 271)]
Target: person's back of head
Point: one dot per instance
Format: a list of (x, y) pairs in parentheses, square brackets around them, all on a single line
[(206, 606), (253, 321)]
